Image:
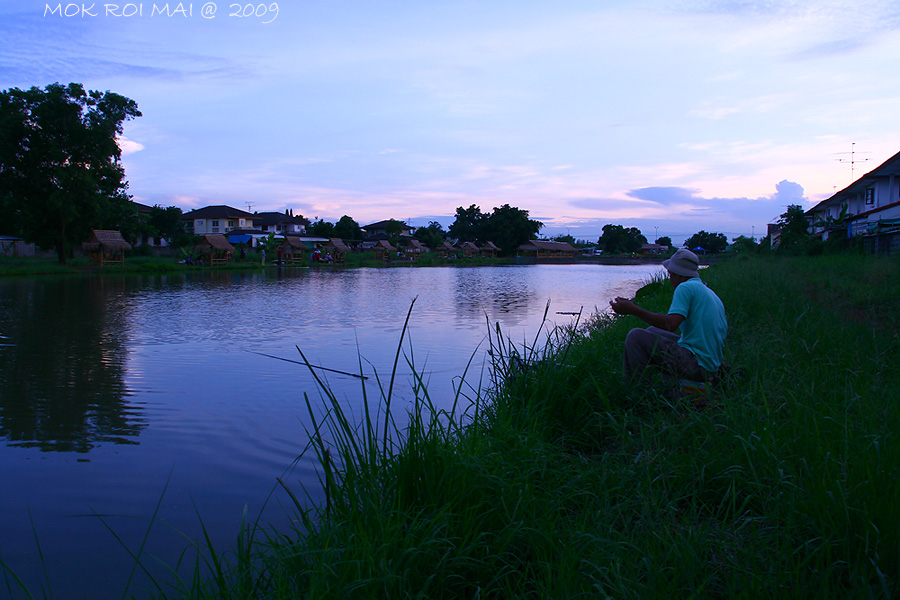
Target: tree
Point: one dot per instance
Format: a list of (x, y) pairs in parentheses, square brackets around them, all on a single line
[(744, 245), (664, 241), (166, 223), (322, 228), (616, 239), (432, 235), (347, 229), (469, 224), (712, 243), (794, 227), (509, 227), (59, 162)]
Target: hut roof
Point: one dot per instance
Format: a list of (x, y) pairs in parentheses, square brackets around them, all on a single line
[(108, 239), (490, 246), (447, 246), (470, 246), (338, 245), (546, 245), (217, 241), (384, 245), (417, 245), (293, 241)]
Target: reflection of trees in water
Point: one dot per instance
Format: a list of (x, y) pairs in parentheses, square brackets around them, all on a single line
[(61, 377), (492, 291)]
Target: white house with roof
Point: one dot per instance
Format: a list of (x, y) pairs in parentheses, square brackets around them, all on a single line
[(217, 219), (281, 223), (870, 206)]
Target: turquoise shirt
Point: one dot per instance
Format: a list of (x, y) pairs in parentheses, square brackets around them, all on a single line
[(704, 327)]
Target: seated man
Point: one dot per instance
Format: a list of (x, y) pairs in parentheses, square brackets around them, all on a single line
[(697, 353)]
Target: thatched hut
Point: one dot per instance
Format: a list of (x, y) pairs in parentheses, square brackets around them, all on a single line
[(469, 249), (214, 250), (548, 249), (291, 249), (414, 248), (446, 250), (106, 247), (490, 249), (383, 250), (337, 249)]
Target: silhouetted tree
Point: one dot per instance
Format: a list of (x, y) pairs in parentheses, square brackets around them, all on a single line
[(712, 243), (616, 239), (60, 174)]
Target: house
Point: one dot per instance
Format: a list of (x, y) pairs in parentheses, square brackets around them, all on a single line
[(280, 223), (218, 219), (548, 249), (291, 249), (106, 247), (337, 249), (381, 228), (869, 207)]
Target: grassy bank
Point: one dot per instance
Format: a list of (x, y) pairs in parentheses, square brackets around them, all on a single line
[(564, 483)]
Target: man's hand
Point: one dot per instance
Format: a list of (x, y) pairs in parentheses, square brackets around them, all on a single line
[(623, 306)]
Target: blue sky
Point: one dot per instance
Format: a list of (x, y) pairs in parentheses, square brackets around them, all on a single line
[(669, 116)]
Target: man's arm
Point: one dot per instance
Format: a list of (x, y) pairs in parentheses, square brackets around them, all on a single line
[(621, 306)]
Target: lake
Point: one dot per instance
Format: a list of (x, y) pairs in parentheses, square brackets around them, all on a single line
[(125, 396)]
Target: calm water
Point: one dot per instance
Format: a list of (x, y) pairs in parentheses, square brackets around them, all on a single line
[(121, 393)]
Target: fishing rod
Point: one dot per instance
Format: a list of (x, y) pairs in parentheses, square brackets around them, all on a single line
[(297, 362)]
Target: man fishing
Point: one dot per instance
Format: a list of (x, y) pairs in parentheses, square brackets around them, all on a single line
[(697, 353)]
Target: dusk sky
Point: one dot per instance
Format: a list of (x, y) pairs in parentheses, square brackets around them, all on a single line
[(669, 116)]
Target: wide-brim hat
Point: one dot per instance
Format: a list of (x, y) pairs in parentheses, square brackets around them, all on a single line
[(684, 263)]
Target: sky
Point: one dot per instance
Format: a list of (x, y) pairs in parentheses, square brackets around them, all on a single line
[(669, 116)]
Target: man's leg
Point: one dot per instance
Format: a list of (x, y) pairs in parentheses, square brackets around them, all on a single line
[(642, 345)]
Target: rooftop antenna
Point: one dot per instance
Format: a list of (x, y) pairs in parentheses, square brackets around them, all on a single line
[(852, 160), (249, 207)]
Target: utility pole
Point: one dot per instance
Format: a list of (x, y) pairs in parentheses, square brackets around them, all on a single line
[(655, 234)]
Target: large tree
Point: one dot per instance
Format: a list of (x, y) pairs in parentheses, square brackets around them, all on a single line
[(432, 236), (347, 229), (616, 239), (794, 227), (469, 224), (711, 243), (60, 170), (507, 226)]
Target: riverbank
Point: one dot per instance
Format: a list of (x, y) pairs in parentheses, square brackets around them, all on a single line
[(565, 483)]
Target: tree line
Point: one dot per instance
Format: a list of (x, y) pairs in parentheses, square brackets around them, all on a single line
[(61, 176)]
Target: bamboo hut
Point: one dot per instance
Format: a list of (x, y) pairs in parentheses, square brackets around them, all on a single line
[(106, 247), (446, 250), (469, 249), (383, 250), (490, 249), (415, 248), (292, 249), (337, 248), (548, 249), (214, 250)]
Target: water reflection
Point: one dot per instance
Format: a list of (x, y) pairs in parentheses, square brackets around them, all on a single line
[(62, 371)]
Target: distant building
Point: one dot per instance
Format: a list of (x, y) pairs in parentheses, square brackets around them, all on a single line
[(869, 208), (217, 219), (380, 228), (280, 223)]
